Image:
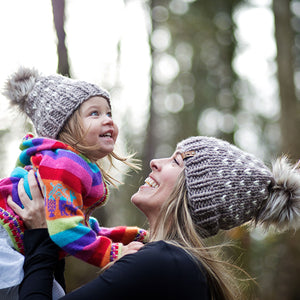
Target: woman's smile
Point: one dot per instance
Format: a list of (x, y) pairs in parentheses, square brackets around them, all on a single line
[(158, 185)]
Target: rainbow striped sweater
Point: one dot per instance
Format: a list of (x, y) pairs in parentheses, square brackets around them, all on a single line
[(73, 189)]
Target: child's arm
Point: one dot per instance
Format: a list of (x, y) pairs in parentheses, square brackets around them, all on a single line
[(65, 181), (121, 234)]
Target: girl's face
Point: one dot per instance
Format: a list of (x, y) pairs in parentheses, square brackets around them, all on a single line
[(98, 124), (158, 185)]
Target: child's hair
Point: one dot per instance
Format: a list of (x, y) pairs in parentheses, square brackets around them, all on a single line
[(73, 134)]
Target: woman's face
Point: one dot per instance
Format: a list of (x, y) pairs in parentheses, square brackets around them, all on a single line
[(158, 185)]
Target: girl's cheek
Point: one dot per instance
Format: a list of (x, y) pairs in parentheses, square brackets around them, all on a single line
[(116, 131)]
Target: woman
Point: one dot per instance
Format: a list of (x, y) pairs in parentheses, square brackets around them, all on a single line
[(205, 186)]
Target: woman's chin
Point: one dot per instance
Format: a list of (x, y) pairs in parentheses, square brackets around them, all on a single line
[(134, 199), (137, 202)]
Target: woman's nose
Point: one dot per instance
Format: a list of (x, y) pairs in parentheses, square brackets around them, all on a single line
[(155, 164)]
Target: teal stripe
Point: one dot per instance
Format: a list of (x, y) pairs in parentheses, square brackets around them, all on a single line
[(68, 236), (94, 167), (24, 158), (22, 173)]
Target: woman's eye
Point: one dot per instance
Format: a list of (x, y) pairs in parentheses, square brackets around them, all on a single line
[(177, 159)]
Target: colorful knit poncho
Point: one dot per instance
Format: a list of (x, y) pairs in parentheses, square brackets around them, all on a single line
[(73, 189)]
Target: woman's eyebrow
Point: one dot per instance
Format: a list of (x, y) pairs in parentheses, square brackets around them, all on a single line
[(176, 153), (187, 154)]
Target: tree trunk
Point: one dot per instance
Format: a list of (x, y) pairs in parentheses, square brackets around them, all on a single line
[(290, 117), (150, 142), (286, 280), (58, 7)]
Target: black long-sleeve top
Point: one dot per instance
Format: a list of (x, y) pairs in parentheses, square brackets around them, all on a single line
[(41, 266), (157, 271)]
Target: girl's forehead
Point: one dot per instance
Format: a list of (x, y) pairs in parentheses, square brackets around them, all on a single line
[(95, 101)]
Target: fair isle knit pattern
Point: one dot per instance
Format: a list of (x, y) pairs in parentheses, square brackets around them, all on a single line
[(73, 185), (14, 227)]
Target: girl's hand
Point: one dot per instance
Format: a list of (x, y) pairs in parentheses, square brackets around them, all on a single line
[(131, 248), (33, 214)]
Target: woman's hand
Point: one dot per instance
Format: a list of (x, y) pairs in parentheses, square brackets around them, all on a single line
[(33, 214)]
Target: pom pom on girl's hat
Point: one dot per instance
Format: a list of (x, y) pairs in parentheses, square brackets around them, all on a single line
[(48, 101), (227, 187)]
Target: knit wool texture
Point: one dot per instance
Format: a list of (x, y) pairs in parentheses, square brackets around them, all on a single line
[(226, 186), (53, 100)]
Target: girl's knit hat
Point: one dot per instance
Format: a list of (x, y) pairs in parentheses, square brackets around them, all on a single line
[(48, 101), (227, 187)]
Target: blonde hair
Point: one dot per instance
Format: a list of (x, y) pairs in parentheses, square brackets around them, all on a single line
[(174, 225), (73, 134)]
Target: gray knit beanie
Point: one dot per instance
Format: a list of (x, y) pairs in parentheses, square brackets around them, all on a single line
[(48, 101), (227, 187)]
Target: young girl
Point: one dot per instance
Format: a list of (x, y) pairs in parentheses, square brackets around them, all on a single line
[(74, 122)]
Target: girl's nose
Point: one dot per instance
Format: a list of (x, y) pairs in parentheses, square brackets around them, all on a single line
[(108, 120)]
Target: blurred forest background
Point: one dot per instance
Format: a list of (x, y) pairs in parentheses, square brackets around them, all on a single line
[(176, 68)]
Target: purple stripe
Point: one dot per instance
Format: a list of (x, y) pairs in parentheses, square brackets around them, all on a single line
[(79, 244), (74, 164)]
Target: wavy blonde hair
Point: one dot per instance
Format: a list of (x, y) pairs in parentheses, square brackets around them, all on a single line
[(73, 134), (174, 225)]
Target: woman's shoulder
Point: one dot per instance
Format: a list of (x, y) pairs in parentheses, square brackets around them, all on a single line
[(163, 254), (162, 247), (157, 270), (167, 267)]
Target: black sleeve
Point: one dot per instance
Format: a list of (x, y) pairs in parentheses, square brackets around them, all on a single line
[(41, 257), (120, 281), (59, 273), (154, 272)]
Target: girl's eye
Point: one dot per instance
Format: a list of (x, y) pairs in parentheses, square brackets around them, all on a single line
[(94, 113)]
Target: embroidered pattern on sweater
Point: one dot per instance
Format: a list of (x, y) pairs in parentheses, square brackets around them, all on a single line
[(65, 199)]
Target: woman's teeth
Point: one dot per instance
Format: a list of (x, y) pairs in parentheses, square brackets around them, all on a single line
[(149, 181)]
